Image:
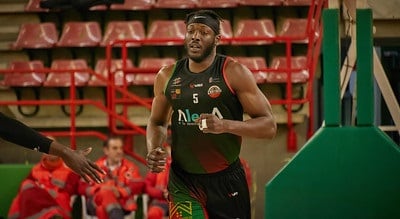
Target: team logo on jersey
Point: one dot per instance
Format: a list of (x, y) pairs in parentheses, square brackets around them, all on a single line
[(214, 91)]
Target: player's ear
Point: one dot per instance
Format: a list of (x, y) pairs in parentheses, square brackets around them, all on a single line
[(217, 39)]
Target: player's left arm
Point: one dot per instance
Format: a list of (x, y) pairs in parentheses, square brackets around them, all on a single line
[(261, 123)]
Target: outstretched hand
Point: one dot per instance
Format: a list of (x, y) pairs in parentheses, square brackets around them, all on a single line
[(80, 164)]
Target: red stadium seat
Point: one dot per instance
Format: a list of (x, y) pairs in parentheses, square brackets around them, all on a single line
[(297, 62), (119, 30), (80, 34), (116, 66), (254, 32), (226, 32), (34, 6), (25, 79), (150, 63), (260, 2), (63, 79), (176, 4), (36, 35), (297, 2), (257, 65), (218, 3), (166, 32), (295, 28)]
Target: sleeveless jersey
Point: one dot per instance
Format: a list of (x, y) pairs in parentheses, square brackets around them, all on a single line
[(190, 95)]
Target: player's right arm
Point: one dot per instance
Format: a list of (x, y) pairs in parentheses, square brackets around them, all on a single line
[(157, 126)]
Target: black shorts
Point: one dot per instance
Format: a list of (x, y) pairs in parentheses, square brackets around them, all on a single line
[(223, 194)]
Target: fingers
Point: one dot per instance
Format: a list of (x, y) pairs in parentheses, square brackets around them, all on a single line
[(91, 172), (86, 151), (203, 124), (97, 168), (156, 163)]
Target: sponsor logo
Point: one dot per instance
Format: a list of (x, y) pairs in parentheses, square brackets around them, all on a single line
[(176, 81), (215, 80), (175, 93), (185, 117), (195, 85), (214, 91), (233, 194)]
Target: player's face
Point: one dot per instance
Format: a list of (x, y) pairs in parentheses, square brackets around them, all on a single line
[(114, 151), (200, 41)]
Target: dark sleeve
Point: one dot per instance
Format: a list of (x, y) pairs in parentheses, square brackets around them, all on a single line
[(16, 132)]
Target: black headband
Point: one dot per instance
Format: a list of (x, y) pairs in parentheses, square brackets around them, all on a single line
[(205, 19)]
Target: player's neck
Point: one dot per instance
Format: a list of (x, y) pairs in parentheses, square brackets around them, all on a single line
[(197, 67)]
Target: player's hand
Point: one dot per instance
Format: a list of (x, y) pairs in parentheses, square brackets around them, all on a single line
[(157, 159), (80, 164), (210, 123)]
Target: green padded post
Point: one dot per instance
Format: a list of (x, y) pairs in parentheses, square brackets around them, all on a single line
[(365, 87), (11, 176), (331, 61), (341, 172)]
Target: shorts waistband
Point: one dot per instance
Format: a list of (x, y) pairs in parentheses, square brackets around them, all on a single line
[(231, 168)]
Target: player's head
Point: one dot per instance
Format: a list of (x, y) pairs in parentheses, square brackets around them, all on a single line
[(202, 34)]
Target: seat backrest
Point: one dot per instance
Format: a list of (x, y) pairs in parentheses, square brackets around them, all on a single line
[(257, 65), (36, 35), (63, 78), (116, 66), (80, 34), (253, 63), (297, 62), (25, 79), (34, 6), (254, 32), (295, 27), (150, 63), (261, 2), (119, 30), (226, 32), (177, 4), (166, 32), (155, 62)]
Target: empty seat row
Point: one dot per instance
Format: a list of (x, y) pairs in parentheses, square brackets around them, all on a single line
[(161, 32), (144, 74), (33, 5), (34, 73)]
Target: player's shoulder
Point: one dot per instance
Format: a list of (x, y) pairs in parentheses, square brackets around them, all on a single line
[(233, 68)]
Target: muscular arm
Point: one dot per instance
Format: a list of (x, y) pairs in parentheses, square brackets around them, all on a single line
[(156, 132), (261, 123)]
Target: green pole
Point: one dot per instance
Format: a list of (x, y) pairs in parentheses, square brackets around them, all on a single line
[(365, 88), (331, 62)]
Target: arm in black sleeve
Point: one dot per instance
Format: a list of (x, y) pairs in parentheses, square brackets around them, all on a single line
[(16, 132)]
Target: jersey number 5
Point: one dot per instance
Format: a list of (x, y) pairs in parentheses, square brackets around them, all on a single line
[(195, 98)]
